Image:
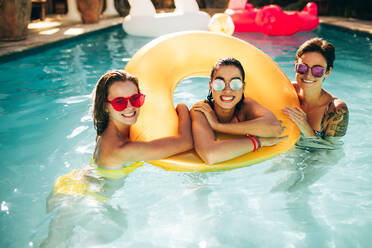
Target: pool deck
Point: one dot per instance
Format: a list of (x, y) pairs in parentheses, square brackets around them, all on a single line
[(55, 29), (348, 23)]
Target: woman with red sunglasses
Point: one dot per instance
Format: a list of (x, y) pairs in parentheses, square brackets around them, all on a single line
[(116, 106), (226, 110), (321, 114)]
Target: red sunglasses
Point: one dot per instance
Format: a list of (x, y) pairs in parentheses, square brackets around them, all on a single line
[(121, 103), (317, 70)]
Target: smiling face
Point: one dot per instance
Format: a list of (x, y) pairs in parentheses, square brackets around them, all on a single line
[(227, 98), (308, 80), (126, 89)]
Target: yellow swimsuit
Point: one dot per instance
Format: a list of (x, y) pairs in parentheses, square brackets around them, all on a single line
[(74, 183)]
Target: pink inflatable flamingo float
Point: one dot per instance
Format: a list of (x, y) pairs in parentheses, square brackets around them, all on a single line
[(271, 19)]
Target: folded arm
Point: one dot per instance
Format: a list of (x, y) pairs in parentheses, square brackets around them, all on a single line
[(260, 126), (211, 150), (214, 151), (131, 151), (259, 121)]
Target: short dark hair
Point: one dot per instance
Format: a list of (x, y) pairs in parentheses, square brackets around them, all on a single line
[(321, 46), (100, 94)]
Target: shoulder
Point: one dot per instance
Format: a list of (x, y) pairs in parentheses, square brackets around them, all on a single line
[(250, 102), (197, 115), (111, 142), (109, 146), (200, 125), (248, 105), (197, 105), (337, 108), (340, 104), (337, 118)]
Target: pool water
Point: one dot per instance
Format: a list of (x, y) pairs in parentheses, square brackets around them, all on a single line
[(299, 199)]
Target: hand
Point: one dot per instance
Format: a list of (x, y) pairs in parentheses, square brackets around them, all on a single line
[(299, 117), (208, 112), (272, 141)]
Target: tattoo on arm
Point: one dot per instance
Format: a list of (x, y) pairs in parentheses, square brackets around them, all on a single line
[(338, 121), (338, 117), (330, 115)]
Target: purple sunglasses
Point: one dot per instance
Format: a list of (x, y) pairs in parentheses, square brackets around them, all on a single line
[(316, 70)]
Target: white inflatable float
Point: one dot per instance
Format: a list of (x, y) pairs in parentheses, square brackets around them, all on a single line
[(144, 21)]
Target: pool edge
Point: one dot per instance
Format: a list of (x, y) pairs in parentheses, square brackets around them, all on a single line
[(359, 27)]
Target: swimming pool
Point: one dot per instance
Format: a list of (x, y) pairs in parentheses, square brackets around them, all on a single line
[(299, 199)]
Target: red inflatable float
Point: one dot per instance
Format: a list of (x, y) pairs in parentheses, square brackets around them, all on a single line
[(271, 19)]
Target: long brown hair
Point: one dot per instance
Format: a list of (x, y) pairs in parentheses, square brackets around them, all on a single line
[(100, 94)]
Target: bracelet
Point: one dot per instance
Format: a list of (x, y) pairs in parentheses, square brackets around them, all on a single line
[(254, 143), (259, 142)]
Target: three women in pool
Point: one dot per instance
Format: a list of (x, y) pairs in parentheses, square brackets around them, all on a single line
[(116, 106), (226, 110), (321, 114)]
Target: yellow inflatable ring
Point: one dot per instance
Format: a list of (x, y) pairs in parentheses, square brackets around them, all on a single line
[(162, 63)]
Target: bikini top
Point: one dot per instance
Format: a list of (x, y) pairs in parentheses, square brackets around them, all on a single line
[(322, 132), (76, 182)]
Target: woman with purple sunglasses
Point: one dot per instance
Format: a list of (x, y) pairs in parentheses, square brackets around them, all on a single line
[(321, 114), (226, 110)]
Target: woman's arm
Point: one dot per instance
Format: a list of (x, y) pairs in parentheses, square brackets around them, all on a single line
[(214, 151), (261, 121), (156, 149), (337, 120)]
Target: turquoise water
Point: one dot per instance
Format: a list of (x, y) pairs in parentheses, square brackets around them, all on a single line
[(299, 199)]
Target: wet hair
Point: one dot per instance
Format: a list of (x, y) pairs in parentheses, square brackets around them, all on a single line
[(321, 46), (226, 62), (100, 94)]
